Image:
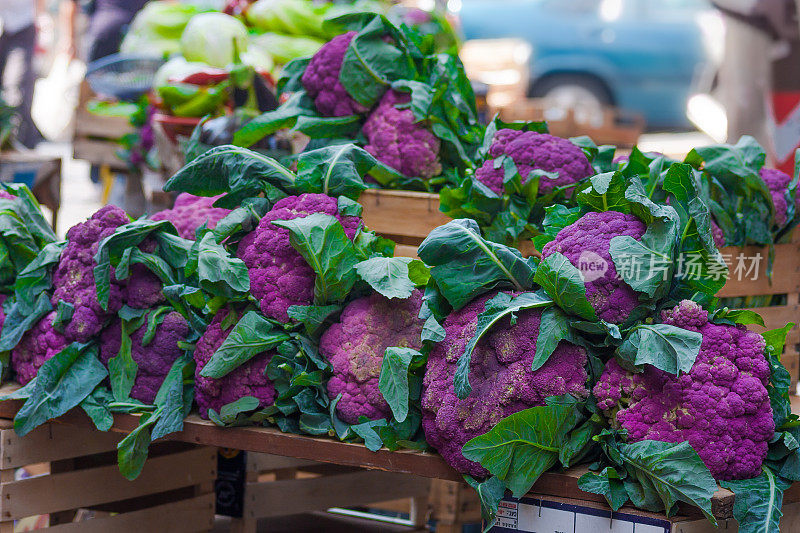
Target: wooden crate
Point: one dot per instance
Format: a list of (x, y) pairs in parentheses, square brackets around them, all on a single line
[(784, 282), (280, 486), (95, 138), (614, 126), (173, 493)]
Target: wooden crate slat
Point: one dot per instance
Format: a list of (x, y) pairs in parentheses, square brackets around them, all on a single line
[(195, 514), (51, 442), (404, 250), (88, 124), (405, 213), (94, 486), (293, 496), (262, 462), (98, 152), (785, 272)]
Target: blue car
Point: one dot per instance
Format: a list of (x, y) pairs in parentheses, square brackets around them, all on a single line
[(638, 55)]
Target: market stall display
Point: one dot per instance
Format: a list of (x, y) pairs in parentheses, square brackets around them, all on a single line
[(276, 306), (411, 291)]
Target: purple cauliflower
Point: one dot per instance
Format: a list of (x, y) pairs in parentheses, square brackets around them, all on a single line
[(142, 288), (154, 358), (396, 139), (585, 244), (190, 212), (248, 379), (717, 234), (355, 346), (778, 183), (721, 406), (5, 195), (321, 79), (2, 313), (39, 344), (279, 276), (73, 278), (534, 151), (500, 375)]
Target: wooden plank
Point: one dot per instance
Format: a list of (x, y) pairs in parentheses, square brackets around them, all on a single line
[(283, 498), (195, 514), (262, 462), (98, 153), (88, 124), (405, 213), (269, 440), (404, 250), (95, 486), (52, 442), (785, 272)]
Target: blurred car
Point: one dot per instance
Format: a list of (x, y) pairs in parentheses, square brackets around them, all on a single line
[(638, 55)]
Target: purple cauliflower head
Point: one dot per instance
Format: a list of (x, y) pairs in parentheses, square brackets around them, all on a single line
[(355, 346), (39, 344), (248, 379), (586, 244), (321, 79), (190, 212), (73, 278), (777, 183), (500, 375), (534, 151), (5, 195), (721, 406), (279, 276), (396, 139), (153, 359)]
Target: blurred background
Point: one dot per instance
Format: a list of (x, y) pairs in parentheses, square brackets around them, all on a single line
[(666, 75)]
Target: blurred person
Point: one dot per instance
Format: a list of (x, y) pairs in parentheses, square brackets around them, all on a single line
[(753, 31), (18, 39), (108, 20)]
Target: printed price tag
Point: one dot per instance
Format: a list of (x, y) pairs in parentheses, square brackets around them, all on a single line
[(545, 516)]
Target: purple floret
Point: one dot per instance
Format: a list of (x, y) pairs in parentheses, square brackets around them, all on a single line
[(355, 347), (2, 313), (248, 379), (778, 183), (396, 139), (534, 151), (500, 375), (721, 406), (190, 212), (321, 79), (4, 195), (155, 359), (39, 344), (717, 234), (143, 288), (279, 276), (73, 278), (586, 244)]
